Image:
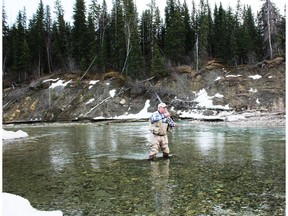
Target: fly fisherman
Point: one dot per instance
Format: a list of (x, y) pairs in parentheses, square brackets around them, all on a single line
[(160, 121)]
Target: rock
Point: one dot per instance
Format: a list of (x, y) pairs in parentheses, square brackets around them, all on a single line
[(179, 91), (123, 101)]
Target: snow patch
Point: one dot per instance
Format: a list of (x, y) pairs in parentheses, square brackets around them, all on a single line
[(112, 92), (14, 205), (93, 82), (257, 76), (90, 101), (234, 75), (218, 78), (252, 90), (205, 101), (60, 83), (13, 135)]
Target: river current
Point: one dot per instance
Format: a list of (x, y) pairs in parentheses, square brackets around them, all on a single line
[(102, 169)]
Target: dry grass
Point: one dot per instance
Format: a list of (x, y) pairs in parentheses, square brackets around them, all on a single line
[(113, 74), (184, 69)]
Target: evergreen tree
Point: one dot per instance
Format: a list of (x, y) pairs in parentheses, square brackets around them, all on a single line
[(61, 40), (36, 41), (220, 33), (146, 31), (202, 31), (20, 51), (134, 63), (104, 37), (24, 61), (117, 35), (189, 36), (231, 28), (158, 63), (5, 42), (174, 34), (79, 33), (158, 28), (282, 37), (269, 22), (250, 37), (48, 31), (210, 35), (151, 36), (93, 33)]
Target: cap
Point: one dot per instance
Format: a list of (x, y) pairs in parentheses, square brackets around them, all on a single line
[(162, 105)]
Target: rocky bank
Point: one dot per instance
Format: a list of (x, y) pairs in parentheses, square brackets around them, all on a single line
[(258, 90)]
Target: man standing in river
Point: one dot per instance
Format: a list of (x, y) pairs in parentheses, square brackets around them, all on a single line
[(160, 121)]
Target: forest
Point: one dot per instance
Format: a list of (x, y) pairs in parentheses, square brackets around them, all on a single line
[(137, 45)]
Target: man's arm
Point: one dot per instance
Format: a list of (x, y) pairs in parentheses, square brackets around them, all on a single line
[(170, 122)]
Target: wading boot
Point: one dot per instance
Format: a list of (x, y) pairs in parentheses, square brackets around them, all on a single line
[(152, 158), (166, 155)]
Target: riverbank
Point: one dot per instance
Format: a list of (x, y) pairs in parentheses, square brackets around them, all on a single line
[(273, 119)]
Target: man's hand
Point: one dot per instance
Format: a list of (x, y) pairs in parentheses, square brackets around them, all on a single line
[(167, 114)]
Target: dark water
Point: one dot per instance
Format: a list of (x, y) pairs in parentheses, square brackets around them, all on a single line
[(91, 169)]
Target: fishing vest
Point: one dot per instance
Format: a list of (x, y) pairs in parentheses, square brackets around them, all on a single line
[(159, 128)]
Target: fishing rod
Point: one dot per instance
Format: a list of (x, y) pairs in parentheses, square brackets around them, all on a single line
[(158, 97), (154, 91)]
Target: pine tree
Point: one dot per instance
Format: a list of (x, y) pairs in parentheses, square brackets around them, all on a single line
[(104, 37), (202, 31), (93, 34), (79, 32), (48, 30), (60, 40), (250, 36), (24, 61), (174, 34), (151, 37), (189, 36), (134, 63), (6, 49), (158, 63), (269, 22), (116, 33), (220, 33), (36, 41), (20, 52), (146, 31)]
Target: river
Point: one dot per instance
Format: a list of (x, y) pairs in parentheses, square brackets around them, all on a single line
[(102, 169)]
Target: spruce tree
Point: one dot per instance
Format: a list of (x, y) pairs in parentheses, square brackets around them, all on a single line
[(269, 21), (189, 36), (117, 35), (48, 30), (174, 34), (134, 63), (6, 49), (36, 41), (61, 40), (104, 37), (79, 33)]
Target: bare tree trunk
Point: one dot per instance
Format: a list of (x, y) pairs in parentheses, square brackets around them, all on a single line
[(128, 44), (197, 50), (48, 56), (269, 30), (39, 66)]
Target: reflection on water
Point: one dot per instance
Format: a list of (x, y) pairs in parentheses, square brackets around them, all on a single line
[(91, 169), (160, 187)]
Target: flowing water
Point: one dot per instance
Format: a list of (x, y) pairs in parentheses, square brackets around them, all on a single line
[(102, 169)]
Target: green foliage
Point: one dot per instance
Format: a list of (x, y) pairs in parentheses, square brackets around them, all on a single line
[(79, 35), (175, 33), (138, 48)]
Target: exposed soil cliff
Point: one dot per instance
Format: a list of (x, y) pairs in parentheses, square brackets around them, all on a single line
[(62, 97)]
